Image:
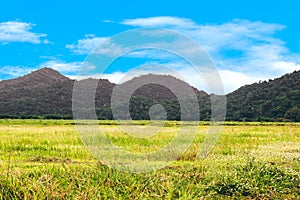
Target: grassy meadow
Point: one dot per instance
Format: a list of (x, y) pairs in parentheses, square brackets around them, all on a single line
[(45, 159)]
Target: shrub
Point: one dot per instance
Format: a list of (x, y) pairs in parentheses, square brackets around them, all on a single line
[(257, 179)]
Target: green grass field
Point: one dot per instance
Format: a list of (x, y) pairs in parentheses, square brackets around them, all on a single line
[(45, 159)]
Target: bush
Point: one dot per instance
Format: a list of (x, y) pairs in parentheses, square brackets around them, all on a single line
[(257, 179), (293, 114)]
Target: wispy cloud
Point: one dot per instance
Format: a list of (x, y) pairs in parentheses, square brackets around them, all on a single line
[(66, 68), (62, 66), (243, 51), (107, 21), (163, 21), (14, 31), (186, 74), (15, 71), (87, 44), (90, 43)]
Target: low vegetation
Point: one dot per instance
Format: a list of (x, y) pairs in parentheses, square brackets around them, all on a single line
[(45, 159)]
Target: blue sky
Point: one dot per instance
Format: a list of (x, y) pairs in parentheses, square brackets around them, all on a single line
[(247, 40)]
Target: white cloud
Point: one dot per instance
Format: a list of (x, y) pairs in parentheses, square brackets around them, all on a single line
[(248, 51), (62, 66), (91, 43), (152, 54), (15, 71), (46, 41), (107, 21), (66, 68), (231, 80), (15, 31), (237, 35), (86, 45), (115, 77), (286, 66), (162, 21), (243, 51)]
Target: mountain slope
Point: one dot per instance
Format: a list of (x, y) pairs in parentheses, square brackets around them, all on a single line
[(265, 100), (162, 89), (47, 93), (42, 92)]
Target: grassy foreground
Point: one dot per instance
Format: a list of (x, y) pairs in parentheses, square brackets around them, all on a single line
[(45, 159)]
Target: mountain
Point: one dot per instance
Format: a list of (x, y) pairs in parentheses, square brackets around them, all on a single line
[(42, 92), (48, 94), (267, 100), (161, 89), (45, 93)]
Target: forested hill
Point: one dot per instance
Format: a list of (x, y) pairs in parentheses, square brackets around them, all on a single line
[(268, 100), (43, 93), (46, 93)]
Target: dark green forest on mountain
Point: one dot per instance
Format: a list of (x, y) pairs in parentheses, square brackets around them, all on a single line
[(273, 100), (47, 94)]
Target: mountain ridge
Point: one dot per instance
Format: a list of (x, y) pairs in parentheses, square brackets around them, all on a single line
[(47, 93), (266, 99), (38, 76)]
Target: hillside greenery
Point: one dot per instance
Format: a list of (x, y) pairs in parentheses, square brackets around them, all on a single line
[(273, 100), (40, 96)]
